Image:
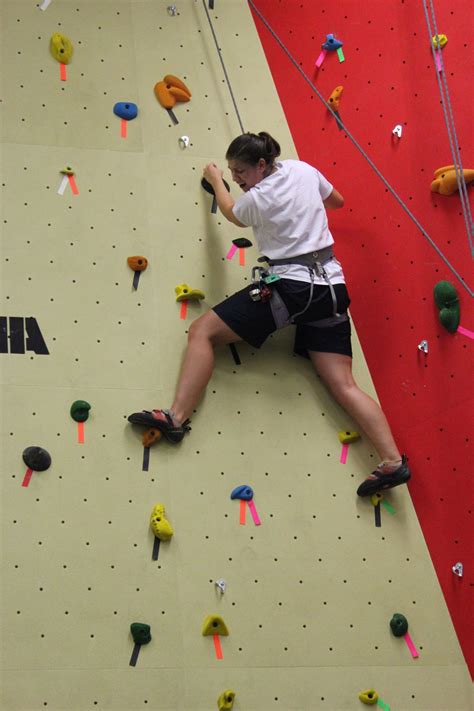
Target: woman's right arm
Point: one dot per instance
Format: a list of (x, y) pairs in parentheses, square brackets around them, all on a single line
[(334, 201)]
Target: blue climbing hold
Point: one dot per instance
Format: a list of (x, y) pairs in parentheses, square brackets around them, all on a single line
[(126, 110), (332, 44), (243, 492)]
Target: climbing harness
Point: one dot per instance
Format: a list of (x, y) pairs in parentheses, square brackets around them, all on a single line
[(315, 262)]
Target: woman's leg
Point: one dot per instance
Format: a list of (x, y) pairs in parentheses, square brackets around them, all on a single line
[(336, 372), (205, 333)]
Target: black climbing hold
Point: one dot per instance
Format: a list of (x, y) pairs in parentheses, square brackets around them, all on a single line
[(242, 242), (37, 459)]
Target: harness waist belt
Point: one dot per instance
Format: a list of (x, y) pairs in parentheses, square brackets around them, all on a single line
[(311, 259)]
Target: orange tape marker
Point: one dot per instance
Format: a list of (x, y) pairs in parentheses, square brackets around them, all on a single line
[(63, 71), (217, 645), (80, 433), (123, 132), (242, 256), (73, 185), (243, 509), (27, 478), (184, 310)]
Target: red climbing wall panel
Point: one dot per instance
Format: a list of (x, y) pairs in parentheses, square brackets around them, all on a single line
[(389, 78)]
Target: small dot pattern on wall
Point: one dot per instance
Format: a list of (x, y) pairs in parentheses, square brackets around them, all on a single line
[(307, 595)]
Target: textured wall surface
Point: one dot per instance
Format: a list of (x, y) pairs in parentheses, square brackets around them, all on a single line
[(310, 591)]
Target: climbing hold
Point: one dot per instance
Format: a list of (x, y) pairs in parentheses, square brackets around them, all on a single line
[(138, 264), (209, 189), (172, 10), (141, 632), (160, 525), (37, 458), (439, 41), (126, 110), (183, 142), (214, 624), (226, 700), (80, 410), (185, 293), (376, 498), (243, 492), (335, 98), (397, 130), (67, 171), (60, 47), (242, 242), (423, 346), (347, 437), (399, 625), (369, 696), (332, 44), (149, 437), (171, 90), (447, 300), (445, 182), (221, 585), (458, 569)]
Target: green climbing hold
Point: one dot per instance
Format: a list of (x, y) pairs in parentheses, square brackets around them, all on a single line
[(141, 632), (80, 410), (399, 625), (447, 300)]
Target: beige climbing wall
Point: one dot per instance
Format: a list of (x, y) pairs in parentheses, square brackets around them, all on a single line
[(310, 592)]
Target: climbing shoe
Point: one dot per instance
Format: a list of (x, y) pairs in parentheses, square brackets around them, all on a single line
[(173, 433), (380, 481)]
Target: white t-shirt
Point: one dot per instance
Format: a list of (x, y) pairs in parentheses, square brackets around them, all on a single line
[(288, 218)]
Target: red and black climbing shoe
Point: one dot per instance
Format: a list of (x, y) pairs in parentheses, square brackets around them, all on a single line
[(378, 481), (163, 421)]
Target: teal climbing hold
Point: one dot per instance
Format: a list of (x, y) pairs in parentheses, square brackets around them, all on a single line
[(80, 410)]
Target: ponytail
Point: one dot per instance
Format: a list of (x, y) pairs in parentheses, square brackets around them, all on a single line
[(251, 147)]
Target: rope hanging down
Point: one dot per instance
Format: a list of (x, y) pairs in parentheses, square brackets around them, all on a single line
[(453, 139), (219, 52), (361, 150)]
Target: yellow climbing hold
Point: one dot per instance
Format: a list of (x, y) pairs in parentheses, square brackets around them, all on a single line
[(369, 696), (160, 526), (442, 41), (347, 437), (185, 293), (376, 498), (60, 47), (226, 700), (214, 624), (67, 171), (445, 181)]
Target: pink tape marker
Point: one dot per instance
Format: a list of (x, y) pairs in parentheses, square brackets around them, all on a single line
[(321, 58), (231, 252), (466, 332), (438, 60), (344, 453), (27, 478), (411, 646), (184, 310), (254, 513), (73, 185)]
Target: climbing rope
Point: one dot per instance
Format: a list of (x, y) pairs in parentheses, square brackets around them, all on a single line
[(219, 52), (361, 150), (453, 139)]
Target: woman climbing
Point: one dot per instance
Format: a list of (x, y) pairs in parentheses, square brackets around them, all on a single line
[(285, 203)]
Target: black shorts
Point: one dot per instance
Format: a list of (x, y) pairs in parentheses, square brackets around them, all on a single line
[(253, 320)]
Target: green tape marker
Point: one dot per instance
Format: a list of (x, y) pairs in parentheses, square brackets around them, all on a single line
[(388, 506), (340, 54), (383, 705)]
